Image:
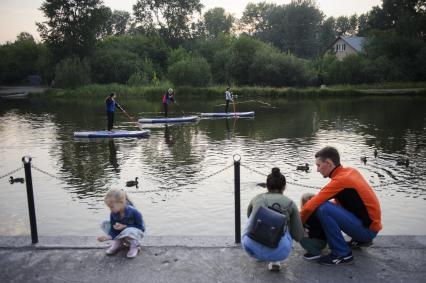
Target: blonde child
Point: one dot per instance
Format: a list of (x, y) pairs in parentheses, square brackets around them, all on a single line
[(315, 241), (126, 224)]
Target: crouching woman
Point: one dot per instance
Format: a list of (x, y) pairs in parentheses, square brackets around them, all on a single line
[(274, 222)]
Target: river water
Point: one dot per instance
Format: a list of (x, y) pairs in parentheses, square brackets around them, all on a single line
[(172, 164)]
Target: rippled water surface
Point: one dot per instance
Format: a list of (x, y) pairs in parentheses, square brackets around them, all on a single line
[(172, 163)]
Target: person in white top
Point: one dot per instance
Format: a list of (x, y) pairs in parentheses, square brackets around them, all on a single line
[(228, 98)]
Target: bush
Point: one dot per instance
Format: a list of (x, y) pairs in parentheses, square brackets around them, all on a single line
[(72, 72), (138, 79), (194, 71), (273, 68)]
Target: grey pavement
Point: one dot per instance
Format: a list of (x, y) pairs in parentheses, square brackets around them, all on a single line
[(200, 259)]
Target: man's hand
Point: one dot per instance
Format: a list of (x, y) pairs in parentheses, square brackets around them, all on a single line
[(119, 226), (104, 238)]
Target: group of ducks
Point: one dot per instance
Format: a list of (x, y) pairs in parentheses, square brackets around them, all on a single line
[(400, 162)]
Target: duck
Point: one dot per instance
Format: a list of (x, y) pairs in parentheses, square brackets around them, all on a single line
[(375, 153), (401, 162), (303, 167), (16, 180), (364, 159), (132, 183), (263, 185)]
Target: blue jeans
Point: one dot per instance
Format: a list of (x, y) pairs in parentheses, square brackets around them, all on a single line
[(335, 219), (264, 253)]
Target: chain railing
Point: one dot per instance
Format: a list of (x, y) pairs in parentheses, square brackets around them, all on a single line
[(27, 165), (45, 172), (11, 172)]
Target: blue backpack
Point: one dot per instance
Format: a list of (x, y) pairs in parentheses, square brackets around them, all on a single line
[(269, 224)]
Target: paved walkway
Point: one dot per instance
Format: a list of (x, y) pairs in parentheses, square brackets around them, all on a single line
[(200, 259)]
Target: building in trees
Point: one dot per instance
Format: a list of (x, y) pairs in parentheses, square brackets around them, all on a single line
[(347, 45)]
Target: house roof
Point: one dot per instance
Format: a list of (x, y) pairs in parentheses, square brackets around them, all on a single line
[(354, 41)]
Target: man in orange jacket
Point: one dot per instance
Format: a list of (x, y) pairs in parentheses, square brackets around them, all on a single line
[(347, 203)]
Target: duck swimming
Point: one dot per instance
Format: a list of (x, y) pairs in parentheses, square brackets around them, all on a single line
[(364, 159), (16, 180), (303, 167), (263, 185), (375, 153), (402, 162), (132, 183)]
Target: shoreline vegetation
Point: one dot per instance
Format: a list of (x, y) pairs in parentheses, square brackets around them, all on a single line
[(97, 90)]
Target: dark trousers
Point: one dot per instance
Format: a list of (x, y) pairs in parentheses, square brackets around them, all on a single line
[(165, 106), (226, 106), (110, 118)]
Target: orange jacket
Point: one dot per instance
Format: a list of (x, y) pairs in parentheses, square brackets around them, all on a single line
[(351, 191)]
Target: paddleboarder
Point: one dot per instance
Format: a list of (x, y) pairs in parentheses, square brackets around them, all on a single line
[(111, 104), (228, 97), (168, 98)]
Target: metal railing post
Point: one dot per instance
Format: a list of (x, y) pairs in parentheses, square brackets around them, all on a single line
[(30, 196), (237, 199)]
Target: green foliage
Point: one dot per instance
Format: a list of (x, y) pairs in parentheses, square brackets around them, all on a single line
[(22, 58), (72, 72), (72, 26), (194, 71), (138, 79), (217, 21), (273, 68), (172, 17)]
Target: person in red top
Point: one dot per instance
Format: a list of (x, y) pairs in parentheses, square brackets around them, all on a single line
[(347, 203)]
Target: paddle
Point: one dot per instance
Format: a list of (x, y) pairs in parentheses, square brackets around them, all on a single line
[(179, 108), (233, 103), (130, 117)]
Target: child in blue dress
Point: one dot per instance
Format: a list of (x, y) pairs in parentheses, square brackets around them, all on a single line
[(126, 225)]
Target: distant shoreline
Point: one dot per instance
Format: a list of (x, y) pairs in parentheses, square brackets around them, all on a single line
[(95, 90)]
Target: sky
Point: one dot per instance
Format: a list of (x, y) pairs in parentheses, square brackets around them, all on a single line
[(20, 15)]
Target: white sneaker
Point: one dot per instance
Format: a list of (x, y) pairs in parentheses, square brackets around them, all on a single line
[(115, 246), (274, 266)]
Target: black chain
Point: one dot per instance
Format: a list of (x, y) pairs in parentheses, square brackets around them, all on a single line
[(45, 172), (192, 183), (11, 172)]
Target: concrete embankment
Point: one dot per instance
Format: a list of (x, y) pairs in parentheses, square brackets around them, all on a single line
[(200, 259)]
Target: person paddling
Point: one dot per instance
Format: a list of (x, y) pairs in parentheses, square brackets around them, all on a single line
[(168, 97), (229, 98), (111, 104)]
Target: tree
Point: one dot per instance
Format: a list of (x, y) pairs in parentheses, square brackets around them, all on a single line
[(194, 71), (172, 17), (119, 23), (286, 26), (327, 34), (256, 18), (72, 72), (20, 59), (270, 67), (300, 25), (72, 26), (217, 21)]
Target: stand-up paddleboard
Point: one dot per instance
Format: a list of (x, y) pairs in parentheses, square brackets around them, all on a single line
[(168, 120), (226, 115), (112, 134)]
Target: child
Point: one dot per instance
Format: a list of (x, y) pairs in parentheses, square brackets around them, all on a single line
[(316, 240), (126, 224)]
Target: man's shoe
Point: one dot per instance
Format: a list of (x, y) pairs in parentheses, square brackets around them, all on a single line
[(274, 266), (309, 256), (332, 259), (354, 244)]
